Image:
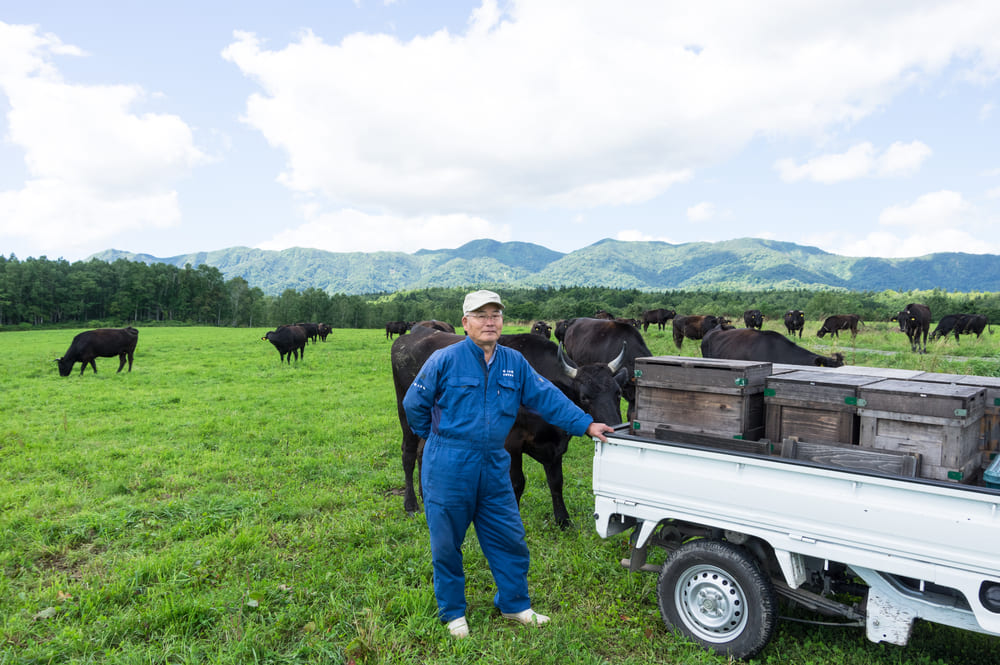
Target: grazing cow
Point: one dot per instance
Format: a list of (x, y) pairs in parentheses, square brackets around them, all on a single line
[(834, 324), (753, 318), (763, 346), (311, 330), (543, 329), (694, 327), (560, 330), (434, 324), (635, 323), (598, 341), (396, 328), (324, 330), (916, 320), (960, 324), (795, 320), (657, 316), (100, 343), (976, 323), (604, 314), (596, 388), (289, 341)]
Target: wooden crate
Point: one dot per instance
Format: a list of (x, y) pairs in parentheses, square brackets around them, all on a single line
[(989, 429), (816, 406), (702, 395), (938, 421)]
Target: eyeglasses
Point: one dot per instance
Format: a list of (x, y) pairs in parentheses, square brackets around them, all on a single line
[(483, 316)]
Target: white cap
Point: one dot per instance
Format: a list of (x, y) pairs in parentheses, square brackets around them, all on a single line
[(478, 299)]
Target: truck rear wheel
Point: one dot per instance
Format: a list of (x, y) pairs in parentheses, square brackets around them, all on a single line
[(715, 593)]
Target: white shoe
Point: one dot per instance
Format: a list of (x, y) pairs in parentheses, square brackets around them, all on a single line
[(528, 617), (458, 628)]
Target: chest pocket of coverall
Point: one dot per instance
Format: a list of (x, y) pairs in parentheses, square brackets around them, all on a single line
[(510, 398)]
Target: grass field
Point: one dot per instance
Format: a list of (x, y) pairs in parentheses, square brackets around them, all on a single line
[(215, 506)]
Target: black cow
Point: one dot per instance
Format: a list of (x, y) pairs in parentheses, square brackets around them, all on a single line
[(596, 388), (311, 330), (100, 343), (657, 316), (976, 323), (916, 320), (562, 325), (763, 346), (604, 314), (795, 319), (834, 324), (694, 327), (960, 324), (289, 341), (324, 330), (434, 324), (543, 329), (599, 341), (753, 318), (396, 328)]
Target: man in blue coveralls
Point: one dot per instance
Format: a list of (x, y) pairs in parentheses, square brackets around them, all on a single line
[(463, 403)]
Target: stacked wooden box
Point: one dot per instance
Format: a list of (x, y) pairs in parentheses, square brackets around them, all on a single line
[(989, 429), (701, 395), (814, 405), (938, 421)]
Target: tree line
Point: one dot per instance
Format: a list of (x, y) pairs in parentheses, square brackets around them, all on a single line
[(41, 292)]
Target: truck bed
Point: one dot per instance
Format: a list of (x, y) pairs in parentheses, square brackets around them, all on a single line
[(944, 533)]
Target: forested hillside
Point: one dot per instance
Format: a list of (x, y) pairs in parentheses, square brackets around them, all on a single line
[(39, 292), (747, 264)]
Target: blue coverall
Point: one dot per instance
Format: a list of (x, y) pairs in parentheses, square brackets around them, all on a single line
[(465, 410)]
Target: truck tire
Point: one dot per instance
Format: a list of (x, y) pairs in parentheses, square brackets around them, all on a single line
[(715, 593)]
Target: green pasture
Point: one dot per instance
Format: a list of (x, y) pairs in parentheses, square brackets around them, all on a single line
[(216, 506)]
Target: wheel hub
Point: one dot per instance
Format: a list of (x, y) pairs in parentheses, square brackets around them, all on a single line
[(711, 603)]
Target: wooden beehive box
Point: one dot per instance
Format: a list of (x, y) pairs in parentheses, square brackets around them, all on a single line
[(701, 395), (938, 421), (814, 406), (989, 429)]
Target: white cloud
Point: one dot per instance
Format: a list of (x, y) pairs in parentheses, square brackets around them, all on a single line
[(993, 193), (936, 222), (859, 161), (701, 212), (855, 163), (623, 106), (356, 231), (891, 245), (902, 158), (96, 166), (930, 211)]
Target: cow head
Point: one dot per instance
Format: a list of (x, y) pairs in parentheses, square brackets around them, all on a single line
[(65, 367), (598, 386), (836, 360)]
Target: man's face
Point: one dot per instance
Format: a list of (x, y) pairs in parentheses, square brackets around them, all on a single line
[(484, 325)]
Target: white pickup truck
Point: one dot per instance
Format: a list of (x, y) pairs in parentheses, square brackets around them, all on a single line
[(742, 528)]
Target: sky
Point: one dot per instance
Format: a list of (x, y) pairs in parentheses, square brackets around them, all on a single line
[(861, 128)]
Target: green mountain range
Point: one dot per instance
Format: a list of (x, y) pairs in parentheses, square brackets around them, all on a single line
[(743, 264)]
